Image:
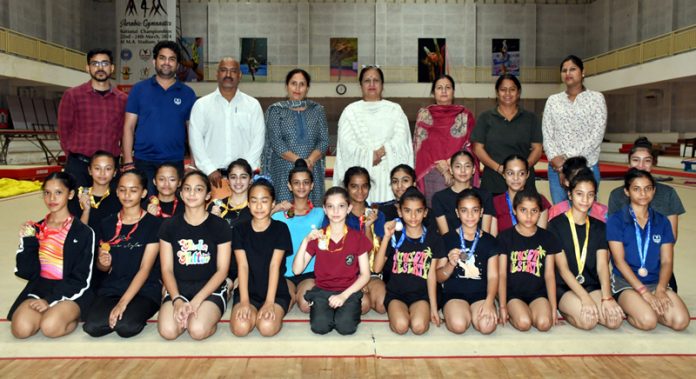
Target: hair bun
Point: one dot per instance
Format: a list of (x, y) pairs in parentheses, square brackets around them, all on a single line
[(301, 163), (643, 142)]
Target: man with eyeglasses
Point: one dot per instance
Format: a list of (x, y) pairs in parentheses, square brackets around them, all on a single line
[(225, 125), (157, 113), (90, 117)]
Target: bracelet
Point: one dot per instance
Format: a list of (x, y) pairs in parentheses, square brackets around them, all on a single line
[(179, 297), (607, 299), (641, 290)]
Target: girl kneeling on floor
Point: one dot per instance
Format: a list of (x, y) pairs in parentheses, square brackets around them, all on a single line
[(408, 255), (195, 257), (341, 268), (469, 272), (583, 285), (55, 255), (642, 251), (128, 249), (527, 283), (260, 247)]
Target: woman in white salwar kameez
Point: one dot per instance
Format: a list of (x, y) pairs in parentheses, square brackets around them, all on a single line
[(373, 133)]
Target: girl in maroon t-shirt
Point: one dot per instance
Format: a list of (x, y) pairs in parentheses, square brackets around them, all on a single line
[(341, 268)]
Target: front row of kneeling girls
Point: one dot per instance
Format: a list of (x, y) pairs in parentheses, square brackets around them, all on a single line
[(533, 272)]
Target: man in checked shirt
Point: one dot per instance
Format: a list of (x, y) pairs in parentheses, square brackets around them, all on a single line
[(90, 117)]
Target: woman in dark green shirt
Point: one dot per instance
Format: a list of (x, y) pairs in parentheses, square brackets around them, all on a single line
[(505, 130)]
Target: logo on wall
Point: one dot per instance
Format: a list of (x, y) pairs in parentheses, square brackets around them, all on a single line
[(125, 72), (144, 73), (144, 54), (156, 9), (126, 54)]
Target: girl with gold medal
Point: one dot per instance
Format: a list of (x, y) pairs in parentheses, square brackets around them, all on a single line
[(166, 203), (583, 280), (95, 203)]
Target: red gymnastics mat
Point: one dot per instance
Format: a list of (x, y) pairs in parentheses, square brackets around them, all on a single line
[(28, 172)]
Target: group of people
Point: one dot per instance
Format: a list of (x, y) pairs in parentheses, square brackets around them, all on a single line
[(403, 236)]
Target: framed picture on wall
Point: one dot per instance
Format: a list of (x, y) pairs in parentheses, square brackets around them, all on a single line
[(432, 59), (506, 56), (344, 58), (254, 59)]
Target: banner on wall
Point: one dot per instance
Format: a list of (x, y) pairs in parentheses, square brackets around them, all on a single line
[(254, 60), (343, 58), (506, 56), (140, 25), (432, 55)]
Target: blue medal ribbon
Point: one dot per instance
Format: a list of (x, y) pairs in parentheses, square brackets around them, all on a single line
[(509, 203), (642, 246), (396, 245), (472, 250)]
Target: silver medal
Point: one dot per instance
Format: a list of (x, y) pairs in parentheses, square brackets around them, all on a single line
[(580, 279), (643, 272)]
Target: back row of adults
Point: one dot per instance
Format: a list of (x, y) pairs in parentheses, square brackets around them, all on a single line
[(152, 125)]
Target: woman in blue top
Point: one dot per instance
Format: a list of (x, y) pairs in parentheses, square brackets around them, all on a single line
[(642, 249), (296, 129), (301, 217)]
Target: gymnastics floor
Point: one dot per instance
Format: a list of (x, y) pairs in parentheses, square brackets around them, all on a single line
[(373, 339)]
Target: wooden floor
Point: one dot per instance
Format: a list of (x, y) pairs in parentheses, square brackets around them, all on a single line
[(364, 368)]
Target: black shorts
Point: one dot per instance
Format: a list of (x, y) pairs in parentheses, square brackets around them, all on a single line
[(468, 297), (526, 297), (189, 289), (562, 289), (281, 300), (42, 288), (297, 279), (407, 298)]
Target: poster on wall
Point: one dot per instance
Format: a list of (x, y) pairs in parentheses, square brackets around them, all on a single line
[(506, 56), (192, 60), (432, 57), (254, 60), (140, 25), (344, 58)]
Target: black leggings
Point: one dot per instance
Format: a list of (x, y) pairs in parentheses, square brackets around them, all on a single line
[(139, 310), (323, 318)]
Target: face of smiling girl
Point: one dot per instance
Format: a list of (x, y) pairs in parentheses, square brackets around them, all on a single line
[(400, 183), (194, 192), (239, 179), (301, 185)]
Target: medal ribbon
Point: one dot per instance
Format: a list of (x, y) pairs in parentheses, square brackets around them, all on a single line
[(641, 246), (580, 256), (45, 233), (291, 212), (228, 207), (402, 238), (327, 235), (472, 250), (94, 204), (509, 203), (119, 225)]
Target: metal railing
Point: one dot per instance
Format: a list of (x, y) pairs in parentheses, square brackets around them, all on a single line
[(666, 45), (25, 46)]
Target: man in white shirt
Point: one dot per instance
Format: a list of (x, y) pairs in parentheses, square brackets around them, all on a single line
[(225, 125)]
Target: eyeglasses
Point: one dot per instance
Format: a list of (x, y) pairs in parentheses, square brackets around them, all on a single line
[(101, 64)]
